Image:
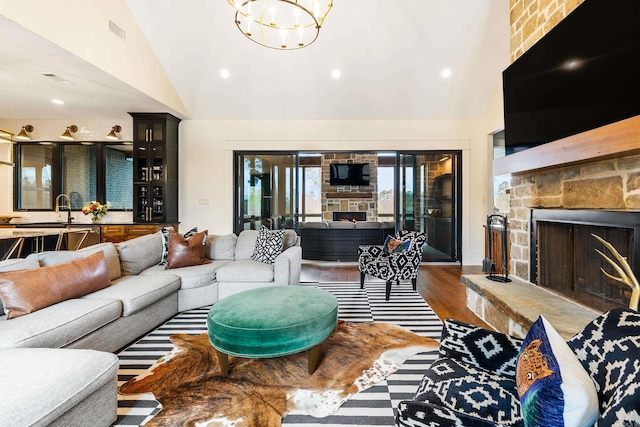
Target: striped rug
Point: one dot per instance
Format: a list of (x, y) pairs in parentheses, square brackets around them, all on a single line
[(373, 407)]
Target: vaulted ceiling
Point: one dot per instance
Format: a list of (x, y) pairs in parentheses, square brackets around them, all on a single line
[(390, 55)]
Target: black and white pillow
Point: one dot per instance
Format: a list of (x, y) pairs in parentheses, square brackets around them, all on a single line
[(165, 241), (268, 245)]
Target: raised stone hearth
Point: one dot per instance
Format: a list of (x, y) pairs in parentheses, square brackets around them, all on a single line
[(513, 307)]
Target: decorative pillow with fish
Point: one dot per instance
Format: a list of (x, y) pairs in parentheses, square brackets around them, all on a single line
[(554, 388)]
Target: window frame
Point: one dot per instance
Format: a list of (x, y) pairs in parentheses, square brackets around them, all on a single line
[(57, 171)]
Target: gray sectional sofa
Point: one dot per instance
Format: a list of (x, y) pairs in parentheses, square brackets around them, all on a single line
[(44, 349)]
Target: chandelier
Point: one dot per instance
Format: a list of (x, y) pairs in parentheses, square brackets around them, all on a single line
[(281, 24)]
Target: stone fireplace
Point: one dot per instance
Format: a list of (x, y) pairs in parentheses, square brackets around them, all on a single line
[(350, 198), (611, 184)]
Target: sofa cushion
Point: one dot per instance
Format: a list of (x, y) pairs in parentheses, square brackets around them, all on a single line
[(221, 247), (319, 224), (23, 292), (58, 325), (194, 276), (49, 258), (140, 253), (554, 388), (16, 264), (607, 348), (246, 244), (245, 270), (480, 347), (165, 241), (185, 252), (368, 225), (471, 390), (52, 382), (138, 292), (342, 225), (268, 245), (290, 239)]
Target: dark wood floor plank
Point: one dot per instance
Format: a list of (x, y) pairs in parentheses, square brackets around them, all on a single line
[(439, 285)]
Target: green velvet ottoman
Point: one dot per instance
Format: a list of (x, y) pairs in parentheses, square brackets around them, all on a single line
[(272, 322)]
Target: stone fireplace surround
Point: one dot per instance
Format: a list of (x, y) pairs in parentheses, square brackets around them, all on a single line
[(594, 170)]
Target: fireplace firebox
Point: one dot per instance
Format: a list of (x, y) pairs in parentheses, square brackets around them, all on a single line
[(563, 255), (349, 216)]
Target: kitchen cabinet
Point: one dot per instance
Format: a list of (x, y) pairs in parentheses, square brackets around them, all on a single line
[(117, 233), (155, 167)]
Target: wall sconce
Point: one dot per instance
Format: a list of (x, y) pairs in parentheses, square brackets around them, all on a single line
[(67, 133), (112, 135), (24, 133)]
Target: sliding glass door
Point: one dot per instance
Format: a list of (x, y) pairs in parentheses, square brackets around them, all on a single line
[(429, 202), (418, 191), (266, 191)]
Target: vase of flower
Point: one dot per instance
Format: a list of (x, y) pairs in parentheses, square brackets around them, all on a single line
[(97, 211)]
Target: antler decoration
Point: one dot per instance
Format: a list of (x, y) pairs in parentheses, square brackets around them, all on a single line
[(624, 270)]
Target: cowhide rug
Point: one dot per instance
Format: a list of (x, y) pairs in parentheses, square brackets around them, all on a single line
[(260, 392)]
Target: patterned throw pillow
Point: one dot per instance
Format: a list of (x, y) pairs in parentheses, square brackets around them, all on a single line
[(392, 245), (268, 245), (554, 388), (165, 241)]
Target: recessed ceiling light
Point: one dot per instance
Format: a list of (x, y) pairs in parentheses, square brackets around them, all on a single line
[(225, 74), (336, 73), (446, 73), (57, 101)]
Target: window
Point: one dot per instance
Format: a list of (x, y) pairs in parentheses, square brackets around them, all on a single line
[(310, 196), (386, 194), (84, 171), (119, 176), (34, 177), (79, 174)]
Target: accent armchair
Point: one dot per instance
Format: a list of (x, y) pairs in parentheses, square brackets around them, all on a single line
[(392, 266)]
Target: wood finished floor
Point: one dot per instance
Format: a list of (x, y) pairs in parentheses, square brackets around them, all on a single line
[(439, 285)]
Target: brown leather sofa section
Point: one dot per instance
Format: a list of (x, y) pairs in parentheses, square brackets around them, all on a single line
[(23, 292)]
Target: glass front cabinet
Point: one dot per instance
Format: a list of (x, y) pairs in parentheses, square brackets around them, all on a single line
[(155, 166)]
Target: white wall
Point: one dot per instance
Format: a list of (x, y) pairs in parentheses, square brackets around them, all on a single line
[(206, 161)]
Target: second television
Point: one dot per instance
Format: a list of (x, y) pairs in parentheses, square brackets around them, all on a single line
[(349, 174)]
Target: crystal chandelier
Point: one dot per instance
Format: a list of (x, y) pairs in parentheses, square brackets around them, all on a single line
[(281, 24)]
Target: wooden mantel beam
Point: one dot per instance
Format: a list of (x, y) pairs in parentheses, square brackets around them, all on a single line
[(614, 140)]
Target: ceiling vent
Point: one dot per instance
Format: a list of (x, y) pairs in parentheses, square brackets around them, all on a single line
[(117, 30), (57, 79)]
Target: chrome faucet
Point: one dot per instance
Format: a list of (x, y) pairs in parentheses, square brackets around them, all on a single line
[(64, 205)]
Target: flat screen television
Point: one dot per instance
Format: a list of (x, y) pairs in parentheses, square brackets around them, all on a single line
[(349, 173), (583, 74)]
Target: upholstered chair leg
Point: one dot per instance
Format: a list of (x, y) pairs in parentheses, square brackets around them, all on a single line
[(388, 290), (361, 280), (414, 282)]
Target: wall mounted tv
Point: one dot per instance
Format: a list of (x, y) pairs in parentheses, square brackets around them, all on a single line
[(349, 174), (583, 74)]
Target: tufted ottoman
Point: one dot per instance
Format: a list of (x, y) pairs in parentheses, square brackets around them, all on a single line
[(272, 322)]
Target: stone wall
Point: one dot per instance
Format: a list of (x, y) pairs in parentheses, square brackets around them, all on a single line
[(532, 19), (350, 198)]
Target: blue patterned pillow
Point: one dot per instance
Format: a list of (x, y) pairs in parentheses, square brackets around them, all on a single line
[(394, 245), (554, 388)]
